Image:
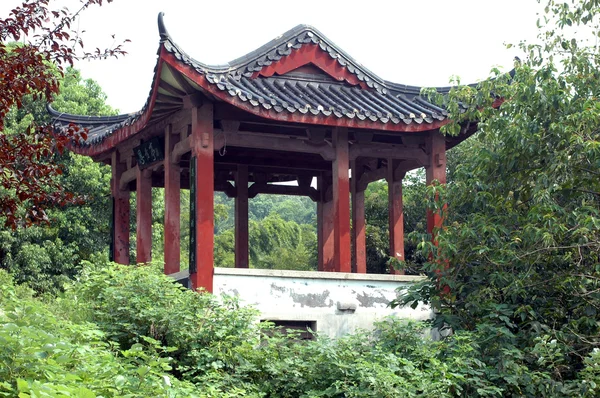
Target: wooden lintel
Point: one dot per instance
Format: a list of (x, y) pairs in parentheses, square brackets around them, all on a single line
[(180, 149), (370, 176), (126, 177), (412, 140), (293, 169), (389, 151), (250, 140), (258, 188), (226, 187)]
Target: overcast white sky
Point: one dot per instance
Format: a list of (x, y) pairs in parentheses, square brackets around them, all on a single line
[(416, 42)]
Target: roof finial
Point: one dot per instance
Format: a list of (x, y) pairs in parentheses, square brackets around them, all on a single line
[(162, 30)]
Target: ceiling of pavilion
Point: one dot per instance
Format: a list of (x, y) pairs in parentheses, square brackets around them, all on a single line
[(299, 77)]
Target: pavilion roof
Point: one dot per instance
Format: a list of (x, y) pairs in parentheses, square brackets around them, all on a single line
[(298, 77)]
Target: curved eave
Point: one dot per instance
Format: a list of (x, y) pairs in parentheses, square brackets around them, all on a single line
[(299, 46), (296, 117), (119, 135)]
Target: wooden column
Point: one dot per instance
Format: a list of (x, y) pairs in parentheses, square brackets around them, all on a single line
[(395, 214), (144, 215), (436, 170), (202, 152), (241, 217), (121, 212), (172, 205), (341, 202), (325, 225), (359, 247)]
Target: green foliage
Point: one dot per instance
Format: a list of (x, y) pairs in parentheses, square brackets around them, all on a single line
[(282, 232), (131, 303), (377, 233), (522, 234), (45, 355), (278, 244), (133, 332), (45, 256)]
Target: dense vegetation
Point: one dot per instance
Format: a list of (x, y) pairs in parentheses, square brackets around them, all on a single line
[(131, 331), (514, 277)]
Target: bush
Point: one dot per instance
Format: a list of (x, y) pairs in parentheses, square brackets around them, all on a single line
[(131, 303), (133, 332), (44, 355)]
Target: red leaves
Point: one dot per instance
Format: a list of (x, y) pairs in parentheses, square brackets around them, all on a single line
[(27, 174), (29, 177)]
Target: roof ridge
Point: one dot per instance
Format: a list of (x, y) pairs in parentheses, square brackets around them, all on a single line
[(273, 51)]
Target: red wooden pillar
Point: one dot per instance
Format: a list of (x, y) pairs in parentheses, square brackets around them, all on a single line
[(436, 170), (172, 205), (121, 211), (359, 247), (395, 214), (241, 217), (202, 152), (324, 226), (341, 202), (144, 215)]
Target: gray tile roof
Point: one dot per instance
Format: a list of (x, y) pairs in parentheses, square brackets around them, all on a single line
[(378, 101)]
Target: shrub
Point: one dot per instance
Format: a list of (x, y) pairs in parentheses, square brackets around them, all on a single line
[(131, 303), (44, 355)]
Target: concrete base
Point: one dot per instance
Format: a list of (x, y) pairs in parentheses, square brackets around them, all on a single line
[(337, 302)]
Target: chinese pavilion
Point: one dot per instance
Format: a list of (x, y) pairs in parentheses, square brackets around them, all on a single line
[(296, 109)]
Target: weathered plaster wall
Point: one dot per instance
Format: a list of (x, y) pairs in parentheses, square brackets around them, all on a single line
[(338, 302)]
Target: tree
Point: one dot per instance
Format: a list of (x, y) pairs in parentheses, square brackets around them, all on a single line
[(46, 256), (34, 68), (522, 234)]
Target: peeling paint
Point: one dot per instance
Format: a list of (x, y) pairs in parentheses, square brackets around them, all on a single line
[(312, 300), (281, 289), (301, 299), (369, 301)]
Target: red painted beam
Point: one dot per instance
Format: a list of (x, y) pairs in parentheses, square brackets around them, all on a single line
[(341, 202), (359, 246), (172, 205), (121, 213), (144, 215), (202, 150), (324, 227), (241, 217), (395, 215)]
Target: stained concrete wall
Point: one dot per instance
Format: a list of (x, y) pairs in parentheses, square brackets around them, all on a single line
[(338, 302)]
